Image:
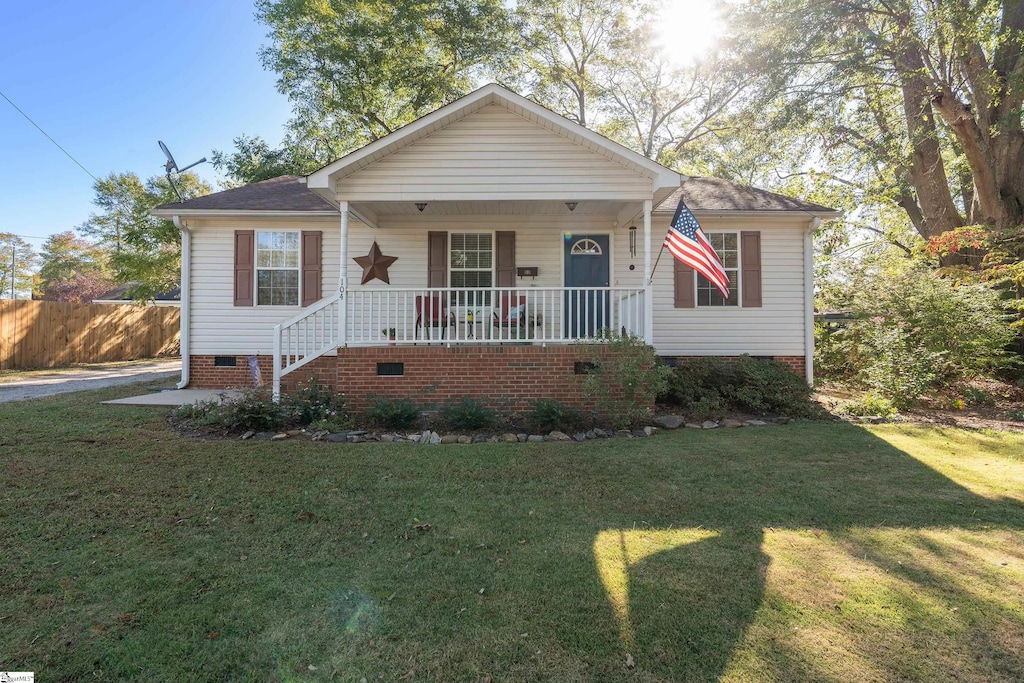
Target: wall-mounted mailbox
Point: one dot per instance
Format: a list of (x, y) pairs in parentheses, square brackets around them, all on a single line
[(527, 271)]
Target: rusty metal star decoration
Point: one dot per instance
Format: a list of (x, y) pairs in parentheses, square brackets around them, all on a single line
[(375, 265)]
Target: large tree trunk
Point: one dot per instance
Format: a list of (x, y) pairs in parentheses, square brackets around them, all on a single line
[(927, 171)]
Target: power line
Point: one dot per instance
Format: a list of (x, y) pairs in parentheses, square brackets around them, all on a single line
[(40, 128)]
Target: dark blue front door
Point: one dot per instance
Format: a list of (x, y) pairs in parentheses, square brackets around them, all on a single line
[(586, 265)]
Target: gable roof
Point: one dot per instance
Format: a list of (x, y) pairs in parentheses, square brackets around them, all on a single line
[(323, 179), (286, 193), (715, 194)]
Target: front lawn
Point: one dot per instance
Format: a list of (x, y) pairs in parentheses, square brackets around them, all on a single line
[(813, 551)]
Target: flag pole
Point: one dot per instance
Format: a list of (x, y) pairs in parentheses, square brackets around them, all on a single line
[(655, 267)]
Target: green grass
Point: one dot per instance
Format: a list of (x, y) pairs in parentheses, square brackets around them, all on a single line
[(814, 551)]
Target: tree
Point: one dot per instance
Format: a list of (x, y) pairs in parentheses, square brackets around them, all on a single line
[(145, 250), (658, 108), (927, 93), (355, 71), (122, 201), (564, 43), (17, 266), (65, 256), (254, 160)]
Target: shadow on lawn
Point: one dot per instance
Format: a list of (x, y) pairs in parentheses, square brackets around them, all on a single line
[(686, 585)]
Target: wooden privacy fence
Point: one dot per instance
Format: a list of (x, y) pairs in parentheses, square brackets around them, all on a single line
[(38, 334)]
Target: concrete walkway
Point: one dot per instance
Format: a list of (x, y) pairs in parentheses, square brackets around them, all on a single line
[(64, 380), (176, 397)]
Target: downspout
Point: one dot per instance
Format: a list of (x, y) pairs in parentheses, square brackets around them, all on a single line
[(186, 298), (809, 300)]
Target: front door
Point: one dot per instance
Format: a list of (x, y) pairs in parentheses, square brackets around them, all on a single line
[(586, 266)]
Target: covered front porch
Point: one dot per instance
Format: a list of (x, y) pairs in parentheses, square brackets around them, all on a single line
[(538, 273), (506, 224)]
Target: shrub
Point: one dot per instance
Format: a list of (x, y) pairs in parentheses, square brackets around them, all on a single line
[(867, 405), (626, 380), (901, 367), (697, 387), (939, 330), (251, 410), (547, 416), (708, 386), (468, 413), (767, 386), (979, 397), (314, 403), (397, 413)]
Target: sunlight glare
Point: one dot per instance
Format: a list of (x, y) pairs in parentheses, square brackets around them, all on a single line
[(688, 29)]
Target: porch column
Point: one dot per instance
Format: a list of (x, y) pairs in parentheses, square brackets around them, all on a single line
[(343, 275), (648, 287)]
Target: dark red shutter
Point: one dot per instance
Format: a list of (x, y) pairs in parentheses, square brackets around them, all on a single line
[(685, 296), (245, 253), (311, 268), (437, 259), (505, 258), (750, 263)]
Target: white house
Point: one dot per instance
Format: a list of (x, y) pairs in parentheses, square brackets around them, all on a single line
[(482, 245)]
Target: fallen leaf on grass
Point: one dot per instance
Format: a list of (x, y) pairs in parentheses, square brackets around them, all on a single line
[(409, 676), (98, 629), (212, 636), (422, 527), (629, 661), (305, 515)]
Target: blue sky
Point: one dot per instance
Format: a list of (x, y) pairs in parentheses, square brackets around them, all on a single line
[(107, 80)]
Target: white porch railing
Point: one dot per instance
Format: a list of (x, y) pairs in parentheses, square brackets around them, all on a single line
[(544, 315), (305, 337), (448, 315)]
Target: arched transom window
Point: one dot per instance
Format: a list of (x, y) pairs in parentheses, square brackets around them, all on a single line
[(585, 247)]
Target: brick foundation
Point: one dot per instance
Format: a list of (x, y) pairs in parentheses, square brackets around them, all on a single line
[(509, 377), (204, 375)]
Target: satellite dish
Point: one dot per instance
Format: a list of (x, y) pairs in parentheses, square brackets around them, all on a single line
[(172, 165)]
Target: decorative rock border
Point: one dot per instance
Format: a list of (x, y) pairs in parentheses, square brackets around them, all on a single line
[(668, 422)]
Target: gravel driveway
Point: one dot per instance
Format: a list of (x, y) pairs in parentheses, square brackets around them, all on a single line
[(64, 380)]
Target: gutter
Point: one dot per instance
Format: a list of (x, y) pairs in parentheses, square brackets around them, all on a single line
[(186, 299), (809, 299)]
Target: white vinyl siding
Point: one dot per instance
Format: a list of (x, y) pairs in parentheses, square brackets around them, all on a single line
[(218, 326), (776, 328), (493, 154)]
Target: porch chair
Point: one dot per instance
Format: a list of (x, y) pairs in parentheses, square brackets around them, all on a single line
[(432, 311), (512, 313)]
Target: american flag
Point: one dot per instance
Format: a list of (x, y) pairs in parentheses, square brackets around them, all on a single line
[(689, 245)]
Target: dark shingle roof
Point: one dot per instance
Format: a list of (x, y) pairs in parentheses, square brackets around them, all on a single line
[(715, 194), (289, 193), (286, 193)]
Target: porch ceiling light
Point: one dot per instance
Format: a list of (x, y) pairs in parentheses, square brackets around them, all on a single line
[(421, 206), (571, 205)]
